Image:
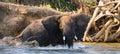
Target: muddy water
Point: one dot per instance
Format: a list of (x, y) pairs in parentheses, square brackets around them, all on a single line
[(79, 48)]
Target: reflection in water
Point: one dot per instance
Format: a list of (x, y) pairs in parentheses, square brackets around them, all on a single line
[(77, 49)]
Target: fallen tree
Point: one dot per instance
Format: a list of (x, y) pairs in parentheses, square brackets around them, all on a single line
[(104, 25)]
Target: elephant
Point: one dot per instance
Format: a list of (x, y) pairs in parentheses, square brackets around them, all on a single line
[(73, 26), (46, 31), (52, 29)]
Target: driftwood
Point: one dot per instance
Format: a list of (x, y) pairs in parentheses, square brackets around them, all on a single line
[(105, 23)]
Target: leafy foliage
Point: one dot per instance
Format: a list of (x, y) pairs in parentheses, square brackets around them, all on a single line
[(61, 5)]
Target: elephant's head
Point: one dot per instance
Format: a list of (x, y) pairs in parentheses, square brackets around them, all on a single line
[(67, 26)]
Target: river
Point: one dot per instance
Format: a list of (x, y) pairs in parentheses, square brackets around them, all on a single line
[(79, 48)]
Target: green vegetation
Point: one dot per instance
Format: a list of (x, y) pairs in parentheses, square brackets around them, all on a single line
[(67, 5), (64, 5), (61, 5)]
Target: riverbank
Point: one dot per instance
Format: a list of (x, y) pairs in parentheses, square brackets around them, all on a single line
[(102, 44)]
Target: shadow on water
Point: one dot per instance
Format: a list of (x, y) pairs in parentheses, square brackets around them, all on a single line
[(79, 48)]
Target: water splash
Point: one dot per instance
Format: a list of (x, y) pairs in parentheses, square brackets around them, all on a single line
[(78, 48)]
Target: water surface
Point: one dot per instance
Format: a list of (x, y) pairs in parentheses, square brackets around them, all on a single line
[(79, 48)]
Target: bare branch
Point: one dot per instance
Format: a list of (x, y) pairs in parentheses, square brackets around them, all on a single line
[(90, 23), (103, 29), (109, 3), (115, 7), (109, 28)]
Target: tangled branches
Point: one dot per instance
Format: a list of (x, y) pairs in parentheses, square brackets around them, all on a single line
[(104, 25)]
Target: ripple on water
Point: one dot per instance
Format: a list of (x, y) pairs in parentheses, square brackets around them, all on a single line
[(77, 49)]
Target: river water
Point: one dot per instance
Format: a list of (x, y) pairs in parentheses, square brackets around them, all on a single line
[(79, 48)]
